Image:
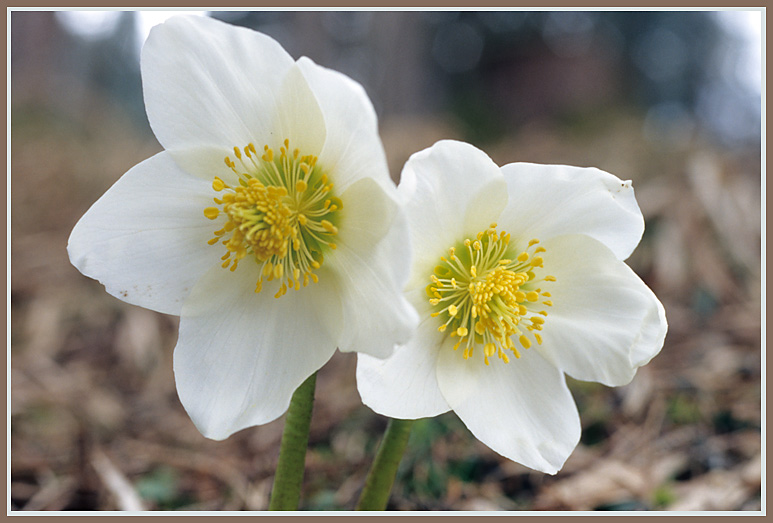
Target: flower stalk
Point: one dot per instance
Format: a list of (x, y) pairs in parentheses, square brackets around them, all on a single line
[(286, 492), (378, 484)]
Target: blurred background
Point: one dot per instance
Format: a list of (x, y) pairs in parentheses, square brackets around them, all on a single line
[(670, 100)]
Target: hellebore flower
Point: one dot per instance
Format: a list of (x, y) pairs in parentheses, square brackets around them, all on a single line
[(269, 223), (518, 278)]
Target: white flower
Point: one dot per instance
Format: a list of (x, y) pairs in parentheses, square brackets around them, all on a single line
[(269, 224), (518, 278)]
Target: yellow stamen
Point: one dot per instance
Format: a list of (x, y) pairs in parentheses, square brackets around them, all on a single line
[(279, 214), (489, 296)]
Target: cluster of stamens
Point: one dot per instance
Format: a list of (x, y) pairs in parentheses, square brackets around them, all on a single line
[(282, 213), (486, 296)]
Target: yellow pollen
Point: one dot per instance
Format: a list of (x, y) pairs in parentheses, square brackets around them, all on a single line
[(486, 293), (279, 214)]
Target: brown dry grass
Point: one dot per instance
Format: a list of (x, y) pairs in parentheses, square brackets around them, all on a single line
[(96, 423)]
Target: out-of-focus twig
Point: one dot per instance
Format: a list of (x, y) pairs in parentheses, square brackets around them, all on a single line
[(122, 490)]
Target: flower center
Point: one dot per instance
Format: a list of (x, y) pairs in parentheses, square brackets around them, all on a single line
[(487, 294), (282, 214)]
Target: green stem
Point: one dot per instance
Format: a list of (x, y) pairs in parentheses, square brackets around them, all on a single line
[(286, 493), (378, 484)]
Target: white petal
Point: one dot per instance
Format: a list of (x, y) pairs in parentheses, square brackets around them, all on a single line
[(404, 386), (353, 147), (653, 332), (452, 191), (604, 322), (146, 238), (375, 312), (523, 409), (367, 214), (208, 83), (552, 200), (299, 118), (241, 355)]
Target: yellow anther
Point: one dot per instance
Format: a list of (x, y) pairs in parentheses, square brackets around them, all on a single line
[(218, 184), (523, 257), (550, 278), (442, 327), (211, 212), (533, 242), (329, 227), (300, 186), (524, 341), (452, 310), (532, 296), (538, 338), (238, 153)]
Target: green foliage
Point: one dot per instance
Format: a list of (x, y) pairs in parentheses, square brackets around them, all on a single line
[(683, 409), (479, 122), (420, 475), (322, 500), (663, 496), (161, 487)]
